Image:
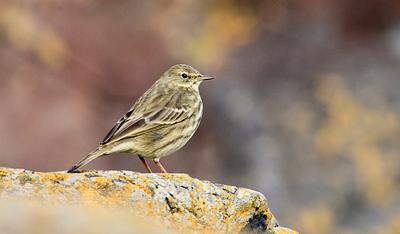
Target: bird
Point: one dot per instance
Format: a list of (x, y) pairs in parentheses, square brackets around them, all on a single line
[(160, 122)]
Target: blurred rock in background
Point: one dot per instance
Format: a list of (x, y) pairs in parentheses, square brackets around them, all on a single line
[(305, 107)]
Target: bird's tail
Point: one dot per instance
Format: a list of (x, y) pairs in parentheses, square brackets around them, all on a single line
[(91, 156)]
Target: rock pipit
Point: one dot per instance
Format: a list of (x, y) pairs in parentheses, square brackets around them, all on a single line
[(161, 121)]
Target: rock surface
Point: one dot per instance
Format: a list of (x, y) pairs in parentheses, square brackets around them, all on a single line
[(173, 202)]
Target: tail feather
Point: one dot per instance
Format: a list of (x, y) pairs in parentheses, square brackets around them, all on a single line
[(90, 157)]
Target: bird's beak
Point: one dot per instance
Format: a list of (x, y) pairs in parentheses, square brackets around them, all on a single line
[(206, 78)]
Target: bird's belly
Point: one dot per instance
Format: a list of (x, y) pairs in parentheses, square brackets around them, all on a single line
[(172, 147), (163, 142)]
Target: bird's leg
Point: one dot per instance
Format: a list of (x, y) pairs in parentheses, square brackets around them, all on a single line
[(145, 164), (157, 162)]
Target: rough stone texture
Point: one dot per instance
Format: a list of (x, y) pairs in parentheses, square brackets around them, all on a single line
[(175, 202)]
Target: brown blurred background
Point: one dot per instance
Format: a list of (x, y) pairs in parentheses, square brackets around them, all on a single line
[(305, 107)]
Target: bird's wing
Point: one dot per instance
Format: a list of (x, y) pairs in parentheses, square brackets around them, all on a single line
[(150, 113), (117, 126)]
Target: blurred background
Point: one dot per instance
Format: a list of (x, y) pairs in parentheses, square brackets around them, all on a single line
[(305, 107)]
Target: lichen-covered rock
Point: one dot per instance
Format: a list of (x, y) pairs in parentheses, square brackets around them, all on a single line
[(173, 201)]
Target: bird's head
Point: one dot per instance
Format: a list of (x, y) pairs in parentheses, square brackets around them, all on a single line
[(185, 76)]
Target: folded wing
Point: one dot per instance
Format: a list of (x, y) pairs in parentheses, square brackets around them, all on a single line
[(150, 113)]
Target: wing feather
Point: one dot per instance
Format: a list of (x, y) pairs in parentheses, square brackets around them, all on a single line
[(149, 114), (116, 127)]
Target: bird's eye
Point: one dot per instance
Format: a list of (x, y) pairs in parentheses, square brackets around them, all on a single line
[(184, 75)]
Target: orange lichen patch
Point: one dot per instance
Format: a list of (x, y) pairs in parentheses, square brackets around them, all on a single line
[(3, 172), (177, 176), (55, 189), (5, 184), (53, 176), (103, 192)]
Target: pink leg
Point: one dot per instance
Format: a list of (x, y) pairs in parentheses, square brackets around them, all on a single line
[(157, 162)]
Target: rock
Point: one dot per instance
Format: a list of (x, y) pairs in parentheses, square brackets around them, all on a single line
[(22, 216), (175, 202)]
